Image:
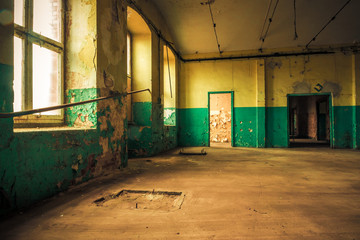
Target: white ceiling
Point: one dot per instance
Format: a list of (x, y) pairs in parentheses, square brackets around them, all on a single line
[(239, 23)]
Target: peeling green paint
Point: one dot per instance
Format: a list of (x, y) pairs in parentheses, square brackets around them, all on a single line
[(38, 164), (139, 141), (7, 142), (245, 127), (45, 162), (152, 136), (170, 116), (81, 115)]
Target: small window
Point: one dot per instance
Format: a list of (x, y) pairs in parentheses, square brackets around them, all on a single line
[(38, 59), (169, 88), (129, 88)]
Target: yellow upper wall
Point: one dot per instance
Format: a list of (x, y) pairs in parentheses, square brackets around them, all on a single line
[(302, 74), (141, 67), (356, 79), (331, 73), (199, 78), (169, 97)]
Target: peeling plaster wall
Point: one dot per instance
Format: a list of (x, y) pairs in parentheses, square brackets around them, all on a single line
[(38, 163), (220, 117), (112, 75), (81, 62), (260, 96), (148, 135), (7, 153), (81, 44)]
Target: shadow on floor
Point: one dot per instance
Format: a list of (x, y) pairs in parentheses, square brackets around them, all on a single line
[(308, 143)]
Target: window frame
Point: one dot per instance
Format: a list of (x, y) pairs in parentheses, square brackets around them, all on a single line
[(129, 60), (29, 37)]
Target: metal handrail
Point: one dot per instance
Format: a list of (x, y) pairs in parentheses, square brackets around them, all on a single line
[(66, 105)]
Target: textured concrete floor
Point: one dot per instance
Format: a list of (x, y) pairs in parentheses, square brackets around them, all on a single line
[(227, 194)]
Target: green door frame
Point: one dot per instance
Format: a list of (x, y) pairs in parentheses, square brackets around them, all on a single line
[(232, 115), (331, 115)]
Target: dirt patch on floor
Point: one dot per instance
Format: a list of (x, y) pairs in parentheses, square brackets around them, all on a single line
[(138, 199)]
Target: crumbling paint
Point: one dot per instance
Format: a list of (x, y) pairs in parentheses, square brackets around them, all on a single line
[(220, 126), (169, 116), (7, 142), (142, 112), (81, 44), (110, 27), (274, 64), (301, 87), (332, 87), (36, 165), (81, 115), (243, 121)]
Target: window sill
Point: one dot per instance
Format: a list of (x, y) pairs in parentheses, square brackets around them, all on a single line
[(51, 129)]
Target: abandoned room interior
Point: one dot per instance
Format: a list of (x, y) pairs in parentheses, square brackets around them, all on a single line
[(189, 119)]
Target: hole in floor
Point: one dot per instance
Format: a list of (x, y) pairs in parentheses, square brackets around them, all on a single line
[(139, 199)]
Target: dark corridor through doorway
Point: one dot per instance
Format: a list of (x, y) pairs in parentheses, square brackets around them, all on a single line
[(309, 121)]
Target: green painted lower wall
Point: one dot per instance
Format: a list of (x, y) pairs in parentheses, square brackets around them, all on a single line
[(276, 127), (357, 127), (344, 123), (142, 113), (245, 127), (7, 151), (38, 164), (259, 127), (193, 127), (261, 130), (148, 133), (194, 130), (139, 141), (170, 136), (49, 162)]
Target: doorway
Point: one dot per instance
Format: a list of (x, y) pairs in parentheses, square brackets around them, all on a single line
[(309, 120), (220, 119)]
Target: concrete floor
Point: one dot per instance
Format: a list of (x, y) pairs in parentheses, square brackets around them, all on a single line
[(236, 193)]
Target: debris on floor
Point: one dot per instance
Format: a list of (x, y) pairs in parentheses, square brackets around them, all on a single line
[(183, 152), (139, 199)]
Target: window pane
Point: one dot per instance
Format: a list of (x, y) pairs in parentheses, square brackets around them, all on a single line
[(45, 79), (19, 12), (128, 42), (47, 18), (18, 73)]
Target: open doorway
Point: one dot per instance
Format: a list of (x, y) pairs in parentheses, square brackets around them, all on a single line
[(309, 120), (220, 119)]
